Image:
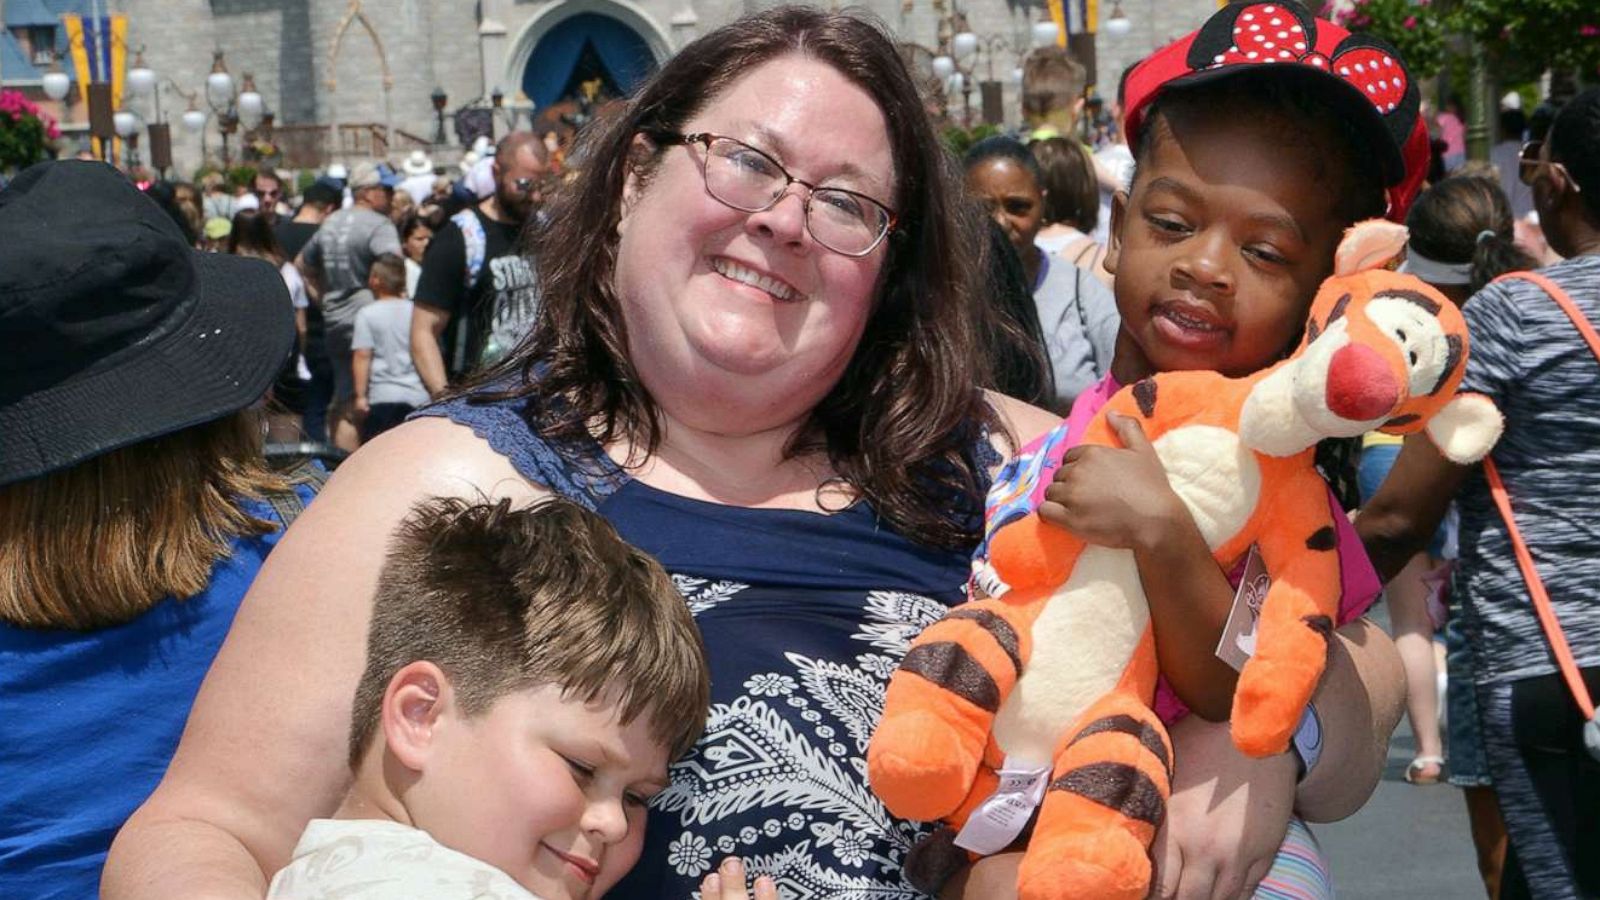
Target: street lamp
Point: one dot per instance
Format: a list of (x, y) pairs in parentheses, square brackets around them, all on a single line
[(140, 79), (1117, 24), (1045, 33), (55, 82), (440, 100), (127, 125), (251, 107)]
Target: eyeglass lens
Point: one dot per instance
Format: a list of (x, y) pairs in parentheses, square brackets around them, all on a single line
[(747, 179), (1528, 161)]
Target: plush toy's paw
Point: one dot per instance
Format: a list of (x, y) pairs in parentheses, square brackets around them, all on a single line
[(920, 766), (1263, 720), (1107, 865)]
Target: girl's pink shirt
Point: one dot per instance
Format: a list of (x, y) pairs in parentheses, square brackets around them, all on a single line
[(1360, 579)]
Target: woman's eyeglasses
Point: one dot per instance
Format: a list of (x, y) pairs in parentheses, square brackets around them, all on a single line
[(740, 176)]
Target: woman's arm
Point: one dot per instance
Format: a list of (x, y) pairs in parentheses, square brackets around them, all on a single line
[(265, 748), (1398, 521)]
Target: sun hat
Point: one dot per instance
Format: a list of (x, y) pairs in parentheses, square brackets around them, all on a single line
[(1368, 81), (418, 163), (116, 330)]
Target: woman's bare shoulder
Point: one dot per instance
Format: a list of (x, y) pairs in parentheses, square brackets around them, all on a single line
[(430, 457)]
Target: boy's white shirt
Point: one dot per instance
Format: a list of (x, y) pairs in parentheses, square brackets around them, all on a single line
[(373, 859)]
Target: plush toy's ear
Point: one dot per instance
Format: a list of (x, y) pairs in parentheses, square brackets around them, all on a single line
[(1466, 428), (1369, 245)]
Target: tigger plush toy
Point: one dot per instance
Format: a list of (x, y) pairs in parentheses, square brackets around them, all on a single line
[(1057, 675)]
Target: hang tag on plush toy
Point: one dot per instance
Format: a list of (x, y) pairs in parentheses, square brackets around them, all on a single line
[(995, 824), (1238, 641)]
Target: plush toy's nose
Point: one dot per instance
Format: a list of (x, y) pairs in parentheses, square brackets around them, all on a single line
[(1360, 386)]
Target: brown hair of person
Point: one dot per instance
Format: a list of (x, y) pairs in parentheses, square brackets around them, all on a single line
[(1051, 81), (389, 270), (1071, 194), (252, 235), (900, 423), (1467, 219), (101, 542), (505, 599)]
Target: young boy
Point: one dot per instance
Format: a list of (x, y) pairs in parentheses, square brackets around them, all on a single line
[(529, 676), (387, 387)]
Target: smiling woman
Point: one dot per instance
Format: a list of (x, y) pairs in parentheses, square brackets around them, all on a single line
[(757, 358)]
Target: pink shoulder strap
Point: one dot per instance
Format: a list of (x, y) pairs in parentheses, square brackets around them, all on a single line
[(1502, 500)]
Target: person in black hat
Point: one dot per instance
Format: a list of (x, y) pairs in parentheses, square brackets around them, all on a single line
[(135, 506)]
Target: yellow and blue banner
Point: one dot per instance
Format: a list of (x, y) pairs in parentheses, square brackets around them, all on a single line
[(99, 48)]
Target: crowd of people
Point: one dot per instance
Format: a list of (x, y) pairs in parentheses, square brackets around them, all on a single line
[(651, 461)]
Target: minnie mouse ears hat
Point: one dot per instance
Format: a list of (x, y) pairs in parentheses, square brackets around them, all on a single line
[(115, 330), (1367, 80)]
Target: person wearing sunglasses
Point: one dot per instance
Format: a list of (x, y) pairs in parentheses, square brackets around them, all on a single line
[(1529, 357), (268, 188), (477, 296)]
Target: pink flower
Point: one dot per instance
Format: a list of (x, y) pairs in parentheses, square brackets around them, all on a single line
[(1410, 23), (1589, 30)]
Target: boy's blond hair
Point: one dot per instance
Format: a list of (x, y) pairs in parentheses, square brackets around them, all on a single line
[(507, 599), (1052, 81)]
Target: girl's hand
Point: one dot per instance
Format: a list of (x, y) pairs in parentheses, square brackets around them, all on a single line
[(1226, 819), (1114, 497), (727, 883)]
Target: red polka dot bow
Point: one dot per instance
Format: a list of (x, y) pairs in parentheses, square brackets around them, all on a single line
[(1245, 36)]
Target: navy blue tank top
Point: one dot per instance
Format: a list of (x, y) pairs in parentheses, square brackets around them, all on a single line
[(804, 616)]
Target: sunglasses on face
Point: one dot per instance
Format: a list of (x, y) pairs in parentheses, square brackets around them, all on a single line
[(1529, 165)]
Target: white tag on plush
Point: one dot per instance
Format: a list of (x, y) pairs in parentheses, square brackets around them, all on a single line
[(995, 824), (1239, 634)]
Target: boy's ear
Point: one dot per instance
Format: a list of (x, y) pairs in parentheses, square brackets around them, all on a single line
[(1369, 245), (1119, 214), (416, 700)]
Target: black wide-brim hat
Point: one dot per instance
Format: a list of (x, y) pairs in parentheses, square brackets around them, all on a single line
[(113, 330)]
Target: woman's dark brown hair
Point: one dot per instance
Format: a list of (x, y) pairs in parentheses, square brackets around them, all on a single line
[(900, 424), (1467, 219), (252, 235), (1071, 194)]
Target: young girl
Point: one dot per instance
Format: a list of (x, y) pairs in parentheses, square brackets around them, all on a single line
[(1217, 251)]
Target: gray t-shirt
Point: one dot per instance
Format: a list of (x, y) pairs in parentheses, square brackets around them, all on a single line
[(345, 246), (1527, 356), (1078, 315), (384, 327)]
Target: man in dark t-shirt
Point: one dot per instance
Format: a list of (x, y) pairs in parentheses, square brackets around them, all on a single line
[(477, 295), (321, 198)]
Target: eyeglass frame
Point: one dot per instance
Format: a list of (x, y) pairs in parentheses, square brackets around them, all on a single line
[(1527, 168), (704, 138)]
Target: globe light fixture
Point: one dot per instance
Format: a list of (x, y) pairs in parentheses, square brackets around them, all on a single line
[(251, 106), (125, 123), (194, 119), (964, 45), (56, 85), (1044, 33), (1117, 24), (957, 82), (943, 66), (1016, 75), (141, 80), (219, 84)]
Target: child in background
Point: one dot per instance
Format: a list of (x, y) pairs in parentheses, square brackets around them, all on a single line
[(528, 678), (387, 387), (1248, 176)]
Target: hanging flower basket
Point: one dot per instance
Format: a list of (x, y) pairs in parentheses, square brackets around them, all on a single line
[(26, 133)]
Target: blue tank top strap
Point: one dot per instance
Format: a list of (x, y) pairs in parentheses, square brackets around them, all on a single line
[(580, 472)]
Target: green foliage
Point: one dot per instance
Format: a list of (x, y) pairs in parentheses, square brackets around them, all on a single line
[(26, 132), (1416, 28), (959, 139), (304, 180), (1530, 35), (242, 176)]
